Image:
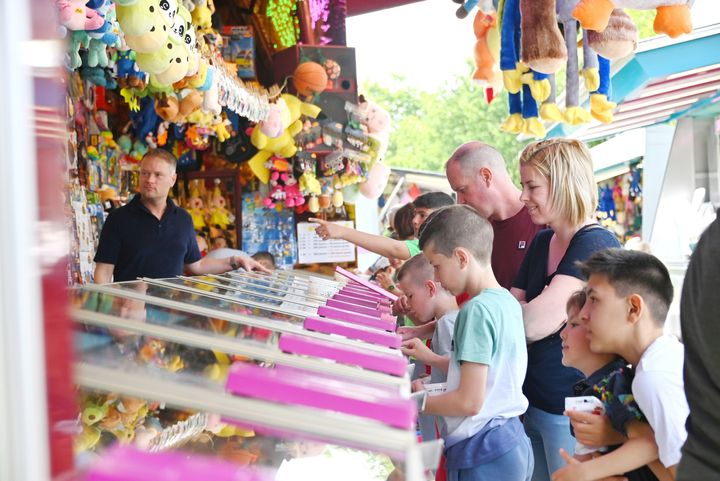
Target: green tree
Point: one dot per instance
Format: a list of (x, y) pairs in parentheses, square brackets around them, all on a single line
[(428, 126)]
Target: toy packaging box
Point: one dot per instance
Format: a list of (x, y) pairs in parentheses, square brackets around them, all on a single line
[(239, 47)]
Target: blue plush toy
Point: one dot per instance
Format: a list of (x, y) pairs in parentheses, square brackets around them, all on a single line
[(128, 73), (517, 78), (467, 7)]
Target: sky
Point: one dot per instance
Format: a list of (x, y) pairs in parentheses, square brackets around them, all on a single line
[(427, 44)]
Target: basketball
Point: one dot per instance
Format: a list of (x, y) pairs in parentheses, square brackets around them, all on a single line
[(310, 78)]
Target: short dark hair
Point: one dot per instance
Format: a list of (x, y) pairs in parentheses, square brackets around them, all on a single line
[(634, 272), (433, 200), (161, 154), (402, 222), (458, 226), (264, 255), (418, 268)]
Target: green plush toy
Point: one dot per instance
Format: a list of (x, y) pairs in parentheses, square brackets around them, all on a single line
[(177, 50), (147, 28)]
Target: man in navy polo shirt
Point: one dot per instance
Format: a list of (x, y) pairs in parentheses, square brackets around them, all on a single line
[(151, 236)]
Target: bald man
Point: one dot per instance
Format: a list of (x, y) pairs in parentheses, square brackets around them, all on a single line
[(478, 174)]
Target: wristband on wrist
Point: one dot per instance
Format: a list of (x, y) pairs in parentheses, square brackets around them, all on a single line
[(391, 287), (233, 264)]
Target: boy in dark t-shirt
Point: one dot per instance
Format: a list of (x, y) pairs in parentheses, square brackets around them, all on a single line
[(609, 379)]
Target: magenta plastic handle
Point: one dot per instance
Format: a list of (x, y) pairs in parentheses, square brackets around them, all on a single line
[(355, 300), (382, 321), (365, 283), (359, 295), (382, 308), (127, 464), (314, 390), (373, 361), (349, 306), (359, 290), (371, 336)]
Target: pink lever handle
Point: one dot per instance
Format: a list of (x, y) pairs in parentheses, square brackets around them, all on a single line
[(384, 321), (349, 306), (360, 301), (365, 283), (371, 336), (316, 391), (373, 361)]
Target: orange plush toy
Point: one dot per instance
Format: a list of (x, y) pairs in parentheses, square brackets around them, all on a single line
[(487, 53), (672, 16)]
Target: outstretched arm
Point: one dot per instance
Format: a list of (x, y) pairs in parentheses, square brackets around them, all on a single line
[(378, 244), (103, 273), (207, 265)]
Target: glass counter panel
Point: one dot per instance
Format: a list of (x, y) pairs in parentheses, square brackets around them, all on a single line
[(143, 301), (108, 420), (123, 316), (225, 305), (312, 288), (294, 305)]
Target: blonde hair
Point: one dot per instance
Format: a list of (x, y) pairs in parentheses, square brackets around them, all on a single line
[(567, 165)]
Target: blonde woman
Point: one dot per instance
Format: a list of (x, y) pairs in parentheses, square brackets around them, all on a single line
[(559, 190)]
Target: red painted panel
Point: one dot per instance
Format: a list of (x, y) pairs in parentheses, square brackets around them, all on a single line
[(48, 91)]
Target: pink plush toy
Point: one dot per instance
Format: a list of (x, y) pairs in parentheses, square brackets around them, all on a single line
[(75, 15), (293, 196), (277, 194)]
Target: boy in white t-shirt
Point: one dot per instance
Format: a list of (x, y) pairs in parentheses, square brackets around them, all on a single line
[(433, 311), (484, 438), (629, 293)]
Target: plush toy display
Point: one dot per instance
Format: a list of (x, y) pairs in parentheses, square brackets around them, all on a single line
[(543, 47), (76, 15), (128, 73), (618, 40), (220, 216), (202, 12), (672, 17), (284, 145), (487, 53), (522, 108)]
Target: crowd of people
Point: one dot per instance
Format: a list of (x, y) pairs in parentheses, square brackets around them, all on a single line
[(547, 356), (546, 337)]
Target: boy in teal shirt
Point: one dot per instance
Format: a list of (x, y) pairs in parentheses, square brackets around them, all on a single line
[(484, 438)]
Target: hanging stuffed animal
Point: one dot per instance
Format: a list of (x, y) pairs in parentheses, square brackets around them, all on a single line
[(672, 17), (487, 53), (523, 112), (574, 113), (543, 47), (76, 15), (127, 71), (202, 14), (464, 10), (178, 52), (618, 40), (284, 144)]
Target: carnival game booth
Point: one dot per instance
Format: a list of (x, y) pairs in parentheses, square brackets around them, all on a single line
[(260, 106), (296, 375)]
